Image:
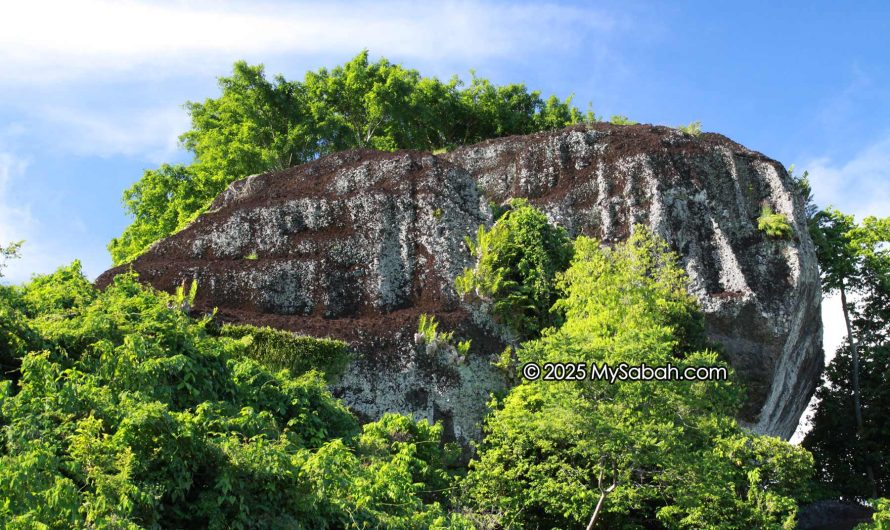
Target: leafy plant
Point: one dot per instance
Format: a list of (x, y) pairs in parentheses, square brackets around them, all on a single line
[(9, 251), (127, 413), (881, 517), (849, 434), (517, 262), (693, 129), (618, 119), (252, 256), (440, 342), (628, 454), (278, 349), (259, 124), (774, 224)]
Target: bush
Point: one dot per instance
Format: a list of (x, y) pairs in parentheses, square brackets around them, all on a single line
[(517, 262), (693, 128), (277, 349), (774, 224), (654, 453), (881, 517), (621, 120), (134, 415)]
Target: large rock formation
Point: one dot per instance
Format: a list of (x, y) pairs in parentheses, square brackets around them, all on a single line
[(357, 245)]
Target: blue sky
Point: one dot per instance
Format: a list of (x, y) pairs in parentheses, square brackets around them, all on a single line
[(91, 92)]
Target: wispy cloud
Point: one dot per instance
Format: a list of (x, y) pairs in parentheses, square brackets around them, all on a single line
[(50, 40), (858, 185), (16, 220), (45, 248), (150, 133)]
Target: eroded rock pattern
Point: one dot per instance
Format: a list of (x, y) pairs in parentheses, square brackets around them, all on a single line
[(358, 244)]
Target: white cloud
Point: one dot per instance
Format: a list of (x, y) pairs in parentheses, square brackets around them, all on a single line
[(859, 185), (16, 221), (151, 133), (57, 39)]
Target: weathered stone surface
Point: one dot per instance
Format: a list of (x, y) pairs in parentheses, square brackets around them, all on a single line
[(357, 245)]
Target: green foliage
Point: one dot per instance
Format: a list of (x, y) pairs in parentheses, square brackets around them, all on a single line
[(881, 517), (805, 189), (842, 454), (774, 224), (517, 262), (9, 251), (277, 349), (693, 129), (847, 251), (133, 415), (618, 119), (854, 258), (668, 451), (258, 125), (162, 201), (252, 256), (436, 341)]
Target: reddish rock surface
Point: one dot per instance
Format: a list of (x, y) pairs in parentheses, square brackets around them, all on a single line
[(357, 245)]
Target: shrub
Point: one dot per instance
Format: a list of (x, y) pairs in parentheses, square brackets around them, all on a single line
[(134, 415), (881, 517), (652, 454), (621, 120), (517, 261), (774, 224), (278, 349), (693, 128)]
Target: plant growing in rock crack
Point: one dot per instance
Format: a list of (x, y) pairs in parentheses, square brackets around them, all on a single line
[(619, 119), (252, 256), (693, 129), (436, 342), (517, 263), (774, 224)]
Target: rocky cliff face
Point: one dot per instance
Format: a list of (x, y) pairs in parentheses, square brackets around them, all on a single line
[(357, 245)]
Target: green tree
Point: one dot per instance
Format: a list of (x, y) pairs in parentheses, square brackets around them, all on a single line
[(623, 455), (259, 125), (881, 517), (9, 251), (129, 414), (517, 261), (854, 259)]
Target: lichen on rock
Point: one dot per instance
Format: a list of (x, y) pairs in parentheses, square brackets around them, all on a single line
[(358, 244)]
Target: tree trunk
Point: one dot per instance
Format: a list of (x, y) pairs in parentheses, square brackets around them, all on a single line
[(857, 400), (596, 510)]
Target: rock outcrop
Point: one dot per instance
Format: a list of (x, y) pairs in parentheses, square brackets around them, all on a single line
[(357, 245)]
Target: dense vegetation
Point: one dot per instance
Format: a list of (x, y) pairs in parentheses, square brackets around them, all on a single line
[(850, 435), (121, 411), (259, 125), (636, 452), (118, 410)]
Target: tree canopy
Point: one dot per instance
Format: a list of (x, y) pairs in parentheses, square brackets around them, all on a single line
[(633, 452), (849, 437), (124, 412), (258, 124)]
